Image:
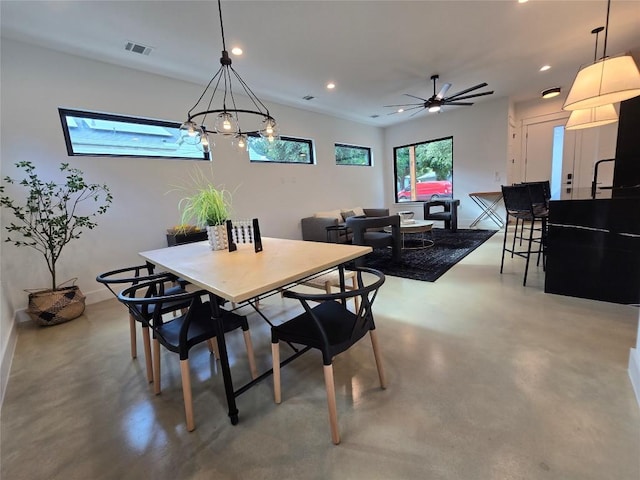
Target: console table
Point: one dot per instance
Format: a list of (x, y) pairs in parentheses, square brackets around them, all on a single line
[(488, 202)]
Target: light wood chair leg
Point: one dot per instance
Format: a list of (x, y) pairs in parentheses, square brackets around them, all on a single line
[(252, 361), (156, 366), (146, 338), (331, 402), (132, 335), (275, 353), (186, 393), (356, 299), (376, 353), (213, 347)]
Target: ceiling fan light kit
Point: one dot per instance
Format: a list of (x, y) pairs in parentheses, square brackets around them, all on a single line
[(438, 100), (551, 92), (608, 80)]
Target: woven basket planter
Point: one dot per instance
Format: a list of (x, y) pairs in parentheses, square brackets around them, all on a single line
[(51, 307)]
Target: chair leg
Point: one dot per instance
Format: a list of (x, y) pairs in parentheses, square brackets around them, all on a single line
[(356, 299), (147, 352), (252, 361), (186, 393), (156, 366), (132, 335), (376, 353), (275, 353), (526, 266), (504, 243), (213, 347), (331, 402)]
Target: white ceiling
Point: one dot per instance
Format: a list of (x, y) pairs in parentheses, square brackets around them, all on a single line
[(373, 50)]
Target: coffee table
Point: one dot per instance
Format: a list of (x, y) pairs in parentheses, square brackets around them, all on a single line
[(416, 226)]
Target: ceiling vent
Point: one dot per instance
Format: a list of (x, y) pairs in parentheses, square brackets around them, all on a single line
[(308, 97), (137, 48)]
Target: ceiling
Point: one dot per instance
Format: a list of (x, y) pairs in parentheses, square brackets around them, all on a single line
[(375, 51)]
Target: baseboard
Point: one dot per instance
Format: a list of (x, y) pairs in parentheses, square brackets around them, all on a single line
[(634, 372), (7, 358), (96, 296)]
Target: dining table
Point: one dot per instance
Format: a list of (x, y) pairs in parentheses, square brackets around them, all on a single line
[(244, 275)]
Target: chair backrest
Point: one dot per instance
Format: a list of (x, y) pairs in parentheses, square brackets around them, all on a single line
[(127, 276), (369, 282), (359, 227), (540, 192), (517, 198), (148, 302)]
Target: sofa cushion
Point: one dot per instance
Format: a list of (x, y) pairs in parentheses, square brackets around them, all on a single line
[(330, 214)]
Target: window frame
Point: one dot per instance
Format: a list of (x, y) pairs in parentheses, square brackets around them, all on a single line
[(357, 147), (71, 112), (395, 169), (307, 141)]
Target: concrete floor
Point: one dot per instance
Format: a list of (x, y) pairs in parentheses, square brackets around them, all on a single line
[(487, 380)]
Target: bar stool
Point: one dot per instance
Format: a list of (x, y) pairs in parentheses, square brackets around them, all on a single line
[(519, 205)]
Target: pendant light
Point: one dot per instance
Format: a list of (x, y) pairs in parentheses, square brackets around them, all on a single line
[(229, 118), (596, 116), (608, 80)]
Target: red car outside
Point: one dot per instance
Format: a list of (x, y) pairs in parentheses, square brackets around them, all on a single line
[(426, 190)]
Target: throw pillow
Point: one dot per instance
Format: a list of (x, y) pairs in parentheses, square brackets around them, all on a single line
[(358, 211), (330, 214), (347, 213)]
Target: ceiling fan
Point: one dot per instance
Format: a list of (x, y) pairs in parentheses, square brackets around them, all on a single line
[(438, 100)]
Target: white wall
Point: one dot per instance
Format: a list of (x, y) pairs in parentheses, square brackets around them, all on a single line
[(36, 81), (480, 151)]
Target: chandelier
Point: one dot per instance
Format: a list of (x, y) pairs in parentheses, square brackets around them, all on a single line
[(606, 81), (229, 119)]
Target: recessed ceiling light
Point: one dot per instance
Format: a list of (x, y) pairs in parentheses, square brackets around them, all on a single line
[(551, 92), (523, 1), (544, 68), (400, 110), (236, 51), (331, 85)]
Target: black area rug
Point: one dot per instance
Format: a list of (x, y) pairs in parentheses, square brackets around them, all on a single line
[(429, 264)]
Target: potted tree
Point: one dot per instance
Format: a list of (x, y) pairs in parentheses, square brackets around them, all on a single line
[(209, 208), (49, 217)]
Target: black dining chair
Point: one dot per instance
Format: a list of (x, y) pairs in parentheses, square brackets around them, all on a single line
[(332, 328), (193, 324), (522, 203), (118, 280)]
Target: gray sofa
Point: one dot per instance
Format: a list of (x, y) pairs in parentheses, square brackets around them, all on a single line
[(315, 228)]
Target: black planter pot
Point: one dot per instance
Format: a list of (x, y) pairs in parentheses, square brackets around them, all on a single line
[(182, 238)]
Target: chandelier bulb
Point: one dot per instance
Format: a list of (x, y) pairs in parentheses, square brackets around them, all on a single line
[(204, 142)]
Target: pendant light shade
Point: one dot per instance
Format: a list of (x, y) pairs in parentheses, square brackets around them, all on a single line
[(591, 117), (607, 81)]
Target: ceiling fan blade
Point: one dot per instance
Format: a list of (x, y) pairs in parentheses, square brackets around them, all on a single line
[(415, 113), (470, 89), (404, 105), (455, 99), (443, 91), (413, 96), (407, 109), (458, 103)]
